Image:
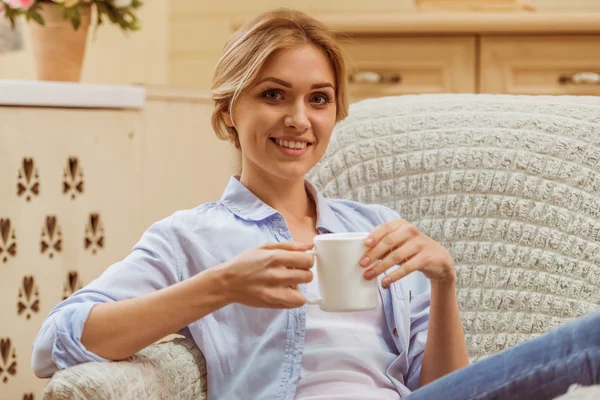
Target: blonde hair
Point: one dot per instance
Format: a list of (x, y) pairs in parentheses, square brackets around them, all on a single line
[(248, 49)]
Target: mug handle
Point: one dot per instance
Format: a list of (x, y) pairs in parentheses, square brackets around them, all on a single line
[(313, 300)]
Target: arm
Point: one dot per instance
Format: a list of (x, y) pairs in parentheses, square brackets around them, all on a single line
[(112, 330), (150, 267), (142, 298), (446, 350), (437, 344)]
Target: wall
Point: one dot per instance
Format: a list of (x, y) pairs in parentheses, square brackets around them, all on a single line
[(112, 56), (199, 29)]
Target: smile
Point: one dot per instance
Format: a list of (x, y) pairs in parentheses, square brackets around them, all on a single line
[(291, 148), (300, 145)]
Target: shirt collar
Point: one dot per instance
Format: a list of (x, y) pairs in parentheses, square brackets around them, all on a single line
[(238, 199)]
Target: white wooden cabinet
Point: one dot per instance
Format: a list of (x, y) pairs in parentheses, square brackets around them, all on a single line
[(78, 186)]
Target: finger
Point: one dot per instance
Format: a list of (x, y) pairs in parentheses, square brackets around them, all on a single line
[(414, 264), (399, 256), (287, 298), (289, 277), (289, 259), (382, 230), (387, 244), (290, 246)]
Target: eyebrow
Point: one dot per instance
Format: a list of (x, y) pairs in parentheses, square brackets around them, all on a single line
[(289, 85)]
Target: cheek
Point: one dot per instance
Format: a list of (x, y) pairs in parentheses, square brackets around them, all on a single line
[(258, 122), (323, 126)]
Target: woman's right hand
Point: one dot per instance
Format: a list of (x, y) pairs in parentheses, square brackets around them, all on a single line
[(268, 276)]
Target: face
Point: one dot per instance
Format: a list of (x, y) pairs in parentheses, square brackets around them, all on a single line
[(285, 118)]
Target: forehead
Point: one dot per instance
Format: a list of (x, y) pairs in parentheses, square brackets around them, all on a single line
[(299, 65)]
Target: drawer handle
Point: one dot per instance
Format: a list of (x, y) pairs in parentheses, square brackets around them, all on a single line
[(373, 77), (580, 78)]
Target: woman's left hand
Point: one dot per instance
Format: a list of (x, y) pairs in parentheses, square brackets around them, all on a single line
[(400, 243)]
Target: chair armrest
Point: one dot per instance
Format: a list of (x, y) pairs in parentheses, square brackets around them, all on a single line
[(175, 369)]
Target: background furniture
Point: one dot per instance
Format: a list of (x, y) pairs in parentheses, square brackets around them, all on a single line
[(84, 170), (510, 184), (472, 52)]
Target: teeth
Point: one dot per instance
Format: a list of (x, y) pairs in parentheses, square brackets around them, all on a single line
[(290, 144)]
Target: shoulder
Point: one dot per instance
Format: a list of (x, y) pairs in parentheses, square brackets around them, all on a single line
[(198, 214), (375, 213), (182, 223), (206, 219)]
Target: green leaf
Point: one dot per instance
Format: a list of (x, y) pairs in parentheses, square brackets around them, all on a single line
[(36, 17), (73, 14), (125, 18), (12, 16)]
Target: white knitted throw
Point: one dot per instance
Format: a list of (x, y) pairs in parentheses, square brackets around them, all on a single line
[(509, 184), (172, 370)]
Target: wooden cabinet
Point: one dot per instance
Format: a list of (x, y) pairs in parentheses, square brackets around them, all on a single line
[(472, 52), (70, 191), (540, 65), (78, 186), (393, 66)]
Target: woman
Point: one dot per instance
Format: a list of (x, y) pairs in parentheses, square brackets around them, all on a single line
[(232, 274)]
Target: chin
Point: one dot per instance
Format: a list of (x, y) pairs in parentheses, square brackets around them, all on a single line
[(291, 172)]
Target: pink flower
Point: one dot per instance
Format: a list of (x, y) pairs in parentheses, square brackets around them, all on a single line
[(21, 4)]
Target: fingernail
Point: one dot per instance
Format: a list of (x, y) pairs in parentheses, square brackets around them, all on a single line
[(365, 262), (385, 282), (370, 241), (370, 274)]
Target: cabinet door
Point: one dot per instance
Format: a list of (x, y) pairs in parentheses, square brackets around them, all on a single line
[(403, 65), (69, 208), (541, 65)]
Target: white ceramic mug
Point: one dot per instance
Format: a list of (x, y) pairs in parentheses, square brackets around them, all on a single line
[(342, 286)]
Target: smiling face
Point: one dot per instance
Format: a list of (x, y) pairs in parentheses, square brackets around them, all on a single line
[(285, 118)]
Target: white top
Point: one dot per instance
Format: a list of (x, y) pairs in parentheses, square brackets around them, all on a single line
[(66, 94), (345, 355)]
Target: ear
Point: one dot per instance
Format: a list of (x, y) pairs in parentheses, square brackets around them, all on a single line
[(226, 115)]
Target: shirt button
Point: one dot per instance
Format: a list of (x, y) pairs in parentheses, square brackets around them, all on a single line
[(395, 332)]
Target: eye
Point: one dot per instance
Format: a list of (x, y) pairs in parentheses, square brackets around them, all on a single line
[(321, 98), (272, 94)]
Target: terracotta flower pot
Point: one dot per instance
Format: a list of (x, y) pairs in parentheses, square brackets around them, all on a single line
[(58, 48)]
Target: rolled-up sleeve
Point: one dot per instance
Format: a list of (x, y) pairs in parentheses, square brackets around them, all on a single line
[(151, 266)]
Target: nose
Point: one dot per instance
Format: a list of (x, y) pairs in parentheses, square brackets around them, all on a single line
[(297, 118)]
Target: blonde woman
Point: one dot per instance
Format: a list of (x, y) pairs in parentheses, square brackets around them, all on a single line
[(232, 274)]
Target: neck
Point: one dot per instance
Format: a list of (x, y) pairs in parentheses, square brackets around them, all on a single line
[(288, 196)]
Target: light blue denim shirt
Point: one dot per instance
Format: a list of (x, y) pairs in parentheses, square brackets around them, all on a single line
[(251, 353)]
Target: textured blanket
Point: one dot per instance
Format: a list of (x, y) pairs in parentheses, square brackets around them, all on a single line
[(509, 184)]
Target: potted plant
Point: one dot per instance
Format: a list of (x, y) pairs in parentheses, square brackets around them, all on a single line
[(59, 30)]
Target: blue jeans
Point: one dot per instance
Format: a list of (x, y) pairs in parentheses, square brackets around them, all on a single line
[(542, 368)]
